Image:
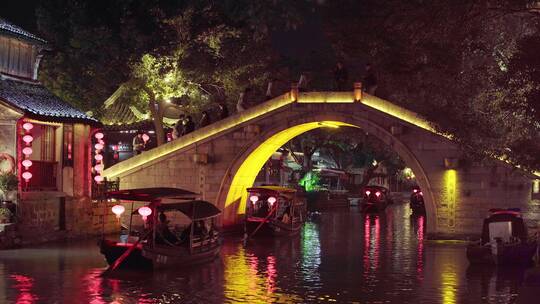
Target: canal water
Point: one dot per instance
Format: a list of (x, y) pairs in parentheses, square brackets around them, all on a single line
[(341, 256)]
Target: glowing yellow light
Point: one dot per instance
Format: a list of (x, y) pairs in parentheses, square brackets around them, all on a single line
[(536, 186), (449, 194), (398, 112), (329, 125), (242, 281), (246, 174), (198, 135), (449, 283), (262, 109), (326, 97)]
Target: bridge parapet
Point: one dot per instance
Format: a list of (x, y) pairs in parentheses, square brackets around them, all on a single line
[(212, 160)]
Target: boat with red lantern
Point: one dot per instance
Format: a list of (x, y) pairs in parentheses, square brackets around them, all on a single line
[(504, 240), (155, 245), (274, 210), (374, 199), (417, 201)]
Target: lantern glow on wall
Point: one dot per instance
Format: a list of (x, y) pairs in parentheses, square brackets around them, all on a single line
[(98, 157), (27, 140)]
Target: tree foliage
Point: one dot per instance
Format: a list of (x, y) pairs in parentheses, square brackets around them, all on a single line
[(455, 62), (149, 52)]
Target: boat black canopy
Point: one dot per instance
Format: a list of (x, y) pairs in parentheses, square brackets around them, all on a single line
[(150, 194), (195, 210), (519, 229)]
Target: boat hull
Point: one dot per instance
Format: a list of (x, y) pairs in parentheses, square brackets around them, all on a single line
[(370, 207), (507, 254), (112, 250), (275, 228), (166, 256)]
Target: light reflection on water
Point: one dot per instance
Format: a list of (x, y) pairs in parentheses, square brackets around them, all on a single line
[(341, 256)]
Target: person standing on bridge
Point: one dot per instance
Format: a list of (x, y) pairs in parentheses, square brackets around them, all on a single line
[(179, 126), (223, 111), (269, 88), (243, 100), (189, 125), (205, 119), (138, 143), (303, 82), (370, 80), (341, 75)]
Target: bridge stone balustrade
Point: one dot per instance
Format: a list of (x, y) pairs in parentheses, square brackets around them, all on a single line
[(221, 160)]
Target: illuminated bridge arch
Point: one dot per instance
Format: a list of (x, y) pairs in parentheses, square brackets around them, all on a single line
[(245, 168), (222, 159)]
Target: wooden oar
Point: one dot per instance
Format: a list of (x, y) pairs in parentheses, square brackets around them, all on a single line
[(126, 253), (260, 225)]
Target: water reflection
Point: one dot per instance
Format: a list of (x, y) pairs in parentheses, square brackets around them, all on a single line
[(23, 285), (340, 256)]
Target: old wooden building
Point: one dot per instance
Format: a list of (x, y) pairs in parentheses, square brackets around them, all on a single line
[(47, 144)]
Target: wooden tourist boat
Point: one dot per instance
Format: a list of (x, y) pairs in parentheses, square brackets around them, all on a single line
[(504, 240), (374, 199), (130, 245), (416, 202), (199, 242), (274, 210)]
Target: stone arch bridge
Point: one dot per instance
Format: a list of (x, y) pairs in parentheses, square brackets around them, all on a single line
[(224, 158)]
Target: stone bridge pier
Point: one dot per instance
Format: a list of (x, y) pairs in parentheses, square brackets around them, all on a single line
[(221, 160)]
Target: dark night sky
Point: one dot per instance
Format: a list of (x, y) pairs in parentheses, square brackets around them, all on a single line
[(301, 47), (20, 12)]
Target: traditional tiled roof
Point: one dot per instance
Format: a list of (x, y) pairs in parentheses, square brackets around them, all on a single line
[(118, 114), (14, 30), (38, 102)]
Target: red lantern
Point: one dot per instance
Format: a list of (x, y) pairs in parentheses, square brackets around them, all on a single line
[(272, 200), (27, 176), (98, 157), (145, 137), (27, 163), (98, 146), (145, 212), (27, 151), (118, 210), (99, 135), (27, 126), (99, 167), (98, 178), (27, 139)]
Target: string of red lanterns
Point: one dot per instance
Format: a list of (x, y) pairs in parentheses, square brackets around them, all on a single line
[(27, 151), (98, 168)]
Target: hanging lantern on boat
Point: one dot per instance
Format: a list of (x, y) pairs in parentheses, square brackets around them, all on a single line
[(253, 199), (145, 137), (118, 210), (98, 178), (98, 146), (145, 212), (272, 200)]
